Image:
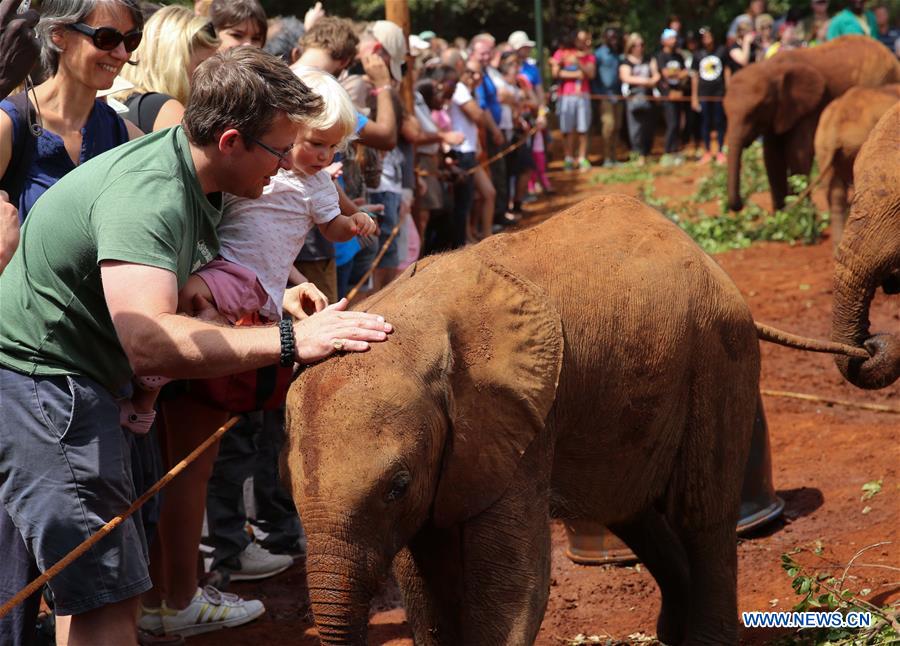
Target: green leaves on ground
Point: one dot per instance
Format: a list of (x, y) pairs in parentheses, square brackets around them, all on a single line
[(797, 222), (871, 488), (821, 591)]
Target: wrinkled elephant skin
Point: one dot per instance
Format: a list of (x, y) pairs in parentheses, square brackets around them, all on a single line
[(869, 257), (598, 366)]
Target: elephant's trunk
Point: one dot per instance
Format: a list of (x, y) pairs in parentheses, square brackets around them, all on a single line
[(341, 584), (735, 150), (854, 290)]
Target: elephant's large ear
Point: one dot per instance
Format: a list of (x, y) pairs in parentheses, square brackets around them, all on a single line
[(800, 89), (502, 374)]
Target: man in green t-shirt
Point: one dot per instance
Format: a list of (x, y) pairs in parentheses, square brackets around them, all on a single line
[(89, 299), (854, 19)]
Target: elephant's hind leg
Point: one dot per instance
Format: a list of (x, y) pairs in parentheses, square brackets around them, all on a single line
[(703, 499), (712, 557), (659, 548)]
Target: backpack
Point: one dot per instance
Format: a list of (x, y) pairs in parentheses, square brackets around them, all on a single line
[(23, 149)]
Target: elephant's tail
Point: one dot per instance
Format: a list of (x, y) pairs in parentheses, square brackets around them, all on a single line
[(773, 335)]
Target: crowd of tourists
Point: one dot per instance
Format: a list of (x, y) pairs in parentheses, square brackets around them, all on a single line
[(684, 76), (190, 194)]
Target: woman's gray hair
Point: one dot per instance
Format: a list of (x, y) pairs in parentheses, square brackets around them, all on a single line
[(57, 14)]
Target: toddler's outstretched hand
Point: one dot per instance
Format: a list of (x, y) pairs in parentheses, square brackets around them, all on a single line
[(363, 224), (303, 300)]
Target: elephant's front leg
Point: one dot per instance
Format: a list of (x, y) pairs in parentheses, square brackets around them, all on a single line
[(776, 169), (429, 572), (506, 552)]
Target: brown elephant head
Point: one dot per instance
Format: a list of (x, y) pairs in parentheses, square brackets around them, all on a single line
[(869, 257), (767, 98), (428, 427)]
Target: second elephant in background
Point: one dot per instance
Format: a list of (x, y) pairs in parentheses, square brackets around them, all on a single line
[(782, 98), (843, 128)]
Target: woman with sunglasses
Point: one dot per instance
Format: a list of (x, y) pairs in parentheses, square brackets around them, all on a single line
[(84, 44), (175, 43)]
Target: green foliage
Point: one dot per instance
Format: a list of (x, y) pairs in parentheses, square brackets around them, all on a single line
[(870, 489), (797, 222), (819, 590), (753, 178), (623, 175)]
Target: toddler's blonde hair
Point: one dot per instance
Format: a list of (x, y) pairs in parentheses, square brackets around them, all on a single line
[(338, 108)]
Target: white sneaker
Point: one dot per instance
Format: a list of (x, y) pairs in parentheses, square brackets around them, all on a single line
[(209, 610), (256, 562), (150, 620)]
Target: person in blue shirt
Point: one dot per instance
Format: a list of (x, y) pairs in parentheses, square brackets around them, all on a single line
[(522, 45), (488, 98), (607, 82)]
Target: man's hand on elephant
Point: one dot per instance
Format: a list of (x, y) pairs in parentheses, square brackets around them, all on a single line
[(18, 47), (335, 329), (304, 300)]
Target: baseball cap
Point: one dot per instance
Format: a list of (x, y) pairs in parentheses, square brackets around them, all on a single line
[(668, 33), (417, 44), (519, 39), (393, 41), (427, 35)]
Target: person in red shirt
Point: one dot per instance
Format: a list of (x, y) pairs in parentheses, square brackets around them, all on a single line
[(573, 66)]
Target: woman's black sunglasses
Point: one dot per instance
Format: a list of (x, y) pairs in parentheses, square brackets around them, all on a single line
[(107, 38)]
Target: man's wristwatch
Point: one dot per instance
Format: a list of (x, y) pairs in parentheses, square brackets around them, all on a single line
[(288, 342)]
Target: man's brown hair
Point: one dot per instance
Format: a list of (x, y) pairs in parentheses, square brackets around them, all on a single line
[(244, 88), (228, 13), (334, 35)]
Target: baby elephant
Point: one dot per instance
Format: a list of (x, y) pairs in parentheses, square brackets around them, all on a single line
[(598, 366), (843, 128)]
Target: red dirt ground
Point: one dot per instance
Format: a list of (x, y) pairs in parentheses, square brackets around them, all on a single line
[(822, 455)]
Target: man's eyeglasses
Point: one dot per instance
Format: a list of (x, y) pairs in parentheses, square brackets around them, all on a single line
[(107, 38), (281, 155)]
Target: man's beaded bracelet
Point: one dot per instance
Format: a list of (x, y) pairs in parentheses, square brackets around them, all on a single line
[(288, 342)]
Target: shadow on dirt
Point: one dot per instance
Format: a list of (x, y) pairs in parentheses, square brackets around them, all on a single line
[(797, 504)]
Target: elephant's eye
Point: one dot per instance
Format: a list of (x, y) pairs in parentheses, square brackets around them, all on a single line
[(399, 485)]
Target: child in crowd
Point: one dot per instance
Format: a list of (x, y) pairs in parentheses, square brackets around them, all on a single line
[(538, 155), (261, 238)]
